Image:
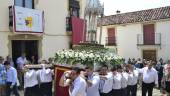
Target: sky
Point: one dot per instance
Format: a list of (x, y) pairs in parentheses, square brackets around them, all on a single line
[(111, 6)]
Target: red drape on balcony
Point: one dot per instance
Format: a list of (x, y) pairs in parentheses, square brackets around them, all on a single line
[(78, 28)]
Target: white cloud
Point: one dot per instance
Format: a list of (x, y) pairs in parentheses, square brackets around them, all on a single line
[(132, 5)]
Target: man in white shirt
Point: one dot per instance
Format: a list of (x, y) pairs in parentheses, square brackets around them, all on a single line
[(106, 81), (116, 82), (150, 79), (92, 80), (132, 80), (124, 80), (77, 84), (21, 61), (31, 84), (45, 76)]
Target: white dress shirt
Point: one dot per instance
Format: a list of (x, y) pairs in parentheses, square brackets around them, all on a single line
[(45, 75), (117, 81), (108, 83), (20, 62), (149, 75), (133, 77), (30, 78), (124, 79), (93, 90), (79, 87)]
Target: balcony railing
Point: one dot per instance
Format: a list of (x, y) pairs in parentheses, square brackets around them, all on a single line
[(154, 39), (111, 41)]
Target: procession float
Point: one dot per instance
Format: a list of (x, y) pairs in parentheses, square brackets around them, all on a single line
[(86, 51)]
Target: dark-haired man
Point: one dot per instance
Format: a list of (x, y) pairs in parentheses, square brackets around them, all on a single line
[(21, 61), (150, 79), (76, 82), (106, 81), (92, 80), (78, 86), (11, 81), (124, 80)]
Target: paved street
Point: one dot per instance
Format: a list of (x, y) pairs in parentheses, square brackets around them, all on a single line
[(155, 93)]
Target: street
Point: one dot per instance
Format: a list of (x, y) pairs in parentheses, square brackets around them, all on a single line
[(155, 93)]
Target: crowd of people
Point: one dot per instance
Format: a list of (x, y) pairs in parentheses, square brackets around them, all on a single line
[(107, 80), (34, 82), (120, 80), (8, 78)]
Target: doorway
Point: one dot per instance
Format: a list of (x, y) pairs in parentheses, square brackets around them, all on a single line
[(29, 47), (149, 54)]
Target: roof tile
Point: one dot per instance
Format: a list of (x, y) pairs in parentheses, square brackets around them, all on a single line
[(137, 16)]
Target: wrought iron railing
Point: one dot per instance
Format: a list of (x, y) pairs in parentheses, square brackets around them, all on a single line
[(111, 41), (154, 39)]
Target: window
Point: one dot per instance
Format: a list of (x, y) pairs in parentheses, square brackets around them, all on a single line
[(29, 3), (75, 12), (19, 2), (25, 3), (74, 8)]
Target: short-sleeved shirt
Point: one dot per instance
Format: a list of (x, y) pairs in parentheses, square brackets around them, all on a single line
[(20, 62)]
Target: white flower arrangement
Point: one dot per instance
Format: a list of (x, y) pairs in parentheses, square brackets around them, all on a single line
[(86, 57)]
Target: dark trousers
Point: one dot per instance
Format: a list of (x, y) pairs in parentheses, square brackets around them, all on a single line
[(131, 90), (167, 84), (147, 87), (116, 92), (21, 79), (124, 92), (32, 91), (106, 94), (9, 90), (46, 89), (160, 80)]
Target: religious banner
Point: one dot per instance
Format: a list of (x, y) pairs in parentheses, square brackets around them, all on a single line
[(78, 28), (60, 91), (28, 20)]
